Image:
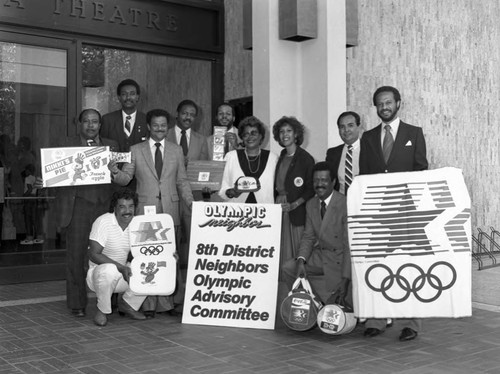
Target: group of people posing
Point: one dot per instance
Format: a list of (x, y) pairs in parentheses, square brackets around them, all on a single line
[(312, 195)]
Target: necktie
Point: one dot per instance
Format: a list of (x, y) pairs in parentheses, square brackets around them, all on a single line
[(91, 142), (184, 143), (127, 125), (158, 160), (348, 169), (388, 143), (323, 209)]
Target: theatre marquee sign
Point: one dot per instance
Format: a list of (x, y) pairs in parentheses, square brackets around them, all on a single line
[(149, 21)]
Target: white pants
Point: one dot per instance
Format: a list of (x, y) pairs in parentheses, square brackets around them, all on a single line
[(104, 280)]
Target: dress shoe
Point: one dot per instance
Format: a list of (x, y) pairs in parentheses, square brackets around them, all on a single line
[(371, 332), (125, 309), (173, 313), (78, 312), (100, 318), (407, 334), (149, 314)]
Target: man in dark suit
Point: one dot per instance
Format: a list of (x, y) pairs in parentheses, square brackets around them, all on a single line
[(194, 146), (127, 126), (392, 146), (345, 157), (77, 208), (158, 166), (324, 248)]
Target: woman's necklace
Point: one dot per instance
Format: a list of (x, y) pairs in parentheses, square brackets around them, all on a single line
[(249, 160)]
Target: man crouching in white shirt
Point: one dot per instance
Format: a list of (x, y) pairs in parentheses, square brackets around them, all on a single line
[(108, 252)]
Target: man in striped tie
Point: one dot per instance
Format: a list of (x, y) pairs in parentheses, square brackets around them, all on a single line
[(344, 158)]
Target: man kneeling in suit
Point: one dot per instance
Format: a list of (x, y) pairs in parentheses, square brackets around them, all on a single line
[(324, 248)]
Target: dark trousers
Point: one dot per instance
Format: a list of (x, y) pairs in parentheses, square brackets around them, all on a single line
[(77, 242)]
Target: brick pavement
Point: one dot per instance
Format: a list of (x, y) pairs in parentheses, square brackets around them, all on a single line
[(41, 337)]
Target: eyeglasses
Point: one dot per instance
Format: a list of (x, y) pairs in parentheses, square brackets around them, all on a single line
[(253, 133)]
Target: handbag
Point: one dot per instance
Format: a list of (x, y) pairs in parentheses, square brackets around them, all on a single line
[(299, 310)]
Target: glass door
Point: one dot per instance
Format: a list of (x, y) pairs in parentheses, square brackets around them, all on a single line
[(34, 110)]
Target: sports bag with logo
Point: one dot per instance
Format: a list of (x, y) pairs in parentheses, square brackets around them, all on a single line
[(299, 310)]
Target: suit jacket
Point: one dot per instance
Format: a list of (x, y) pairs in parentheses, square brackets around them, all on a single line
[(96, 194), (197, 147), (173, 181), (329, 233), (333, 156), (112, 128), (298, 183), (408, 152)]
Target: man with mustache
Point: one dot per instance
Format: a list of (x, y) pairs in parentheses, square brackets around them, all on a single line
[(393, 146), (77, 208), (194, 147), (225, 118), (158, 166), (324, 248), (108, 251), (127, 126), (193, 144)]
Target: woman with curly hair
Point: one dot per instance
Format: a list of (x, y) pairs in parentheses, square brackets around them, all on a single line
[(293, 183)]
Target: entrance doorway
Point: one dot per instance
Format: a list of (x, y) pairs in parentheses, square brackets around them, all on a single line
[(34, 108)]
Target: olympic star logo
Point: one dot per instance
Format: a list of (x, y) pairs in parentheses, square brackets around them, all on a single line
[(151, 231)]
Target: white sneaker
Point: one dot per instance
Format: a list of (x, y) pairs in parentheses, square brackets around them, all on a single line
[(27, 242)]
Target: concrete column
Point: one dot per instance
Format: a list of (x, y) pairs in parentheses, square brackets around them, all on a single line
[(303, 79)]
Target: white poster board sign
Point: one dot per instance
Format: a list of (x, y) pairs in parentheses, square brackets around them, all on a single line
[(152, 243), (70, 166), (232, 277), (410, 241)]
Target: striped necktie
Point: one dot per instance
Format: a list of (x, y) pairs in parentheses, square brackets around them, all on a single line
[(127, 125), (348, 169)]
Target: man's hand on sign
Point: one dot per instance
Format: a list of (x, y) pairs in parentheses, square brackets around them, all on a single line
[(38, 183), (113, 167)]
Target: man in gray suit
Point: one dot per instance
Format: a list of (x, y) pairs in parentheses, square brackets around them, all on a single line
[(158, 166), (324, 248), (159, 187)]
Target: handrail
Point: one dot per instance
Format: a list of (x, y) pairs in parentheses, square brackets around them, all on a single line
[(477, 255)]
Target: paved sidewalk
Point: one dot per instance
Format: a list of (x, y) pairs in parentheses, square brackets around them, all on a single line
[(41, 337)]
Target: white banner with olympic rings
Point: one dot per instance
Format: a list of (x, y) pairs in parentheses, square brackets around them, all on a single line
[(410, 241)]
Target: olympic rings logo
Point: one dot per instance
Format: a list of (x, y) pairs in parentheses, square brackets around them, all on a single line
[(411, 287), (152, 250)]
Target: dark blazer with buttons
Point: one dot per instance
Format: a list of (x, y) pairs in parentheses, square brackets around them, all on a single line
[(98, 193), (112, 128), (408, 152), (329, 233), (333, 156), (298, 182)]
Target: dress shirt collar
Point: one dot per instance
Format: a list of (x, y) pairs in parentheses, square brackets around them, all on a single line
[(394, 127), (152, 143), (327, 200), (85, 143), (355, 145), (132, 117)]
